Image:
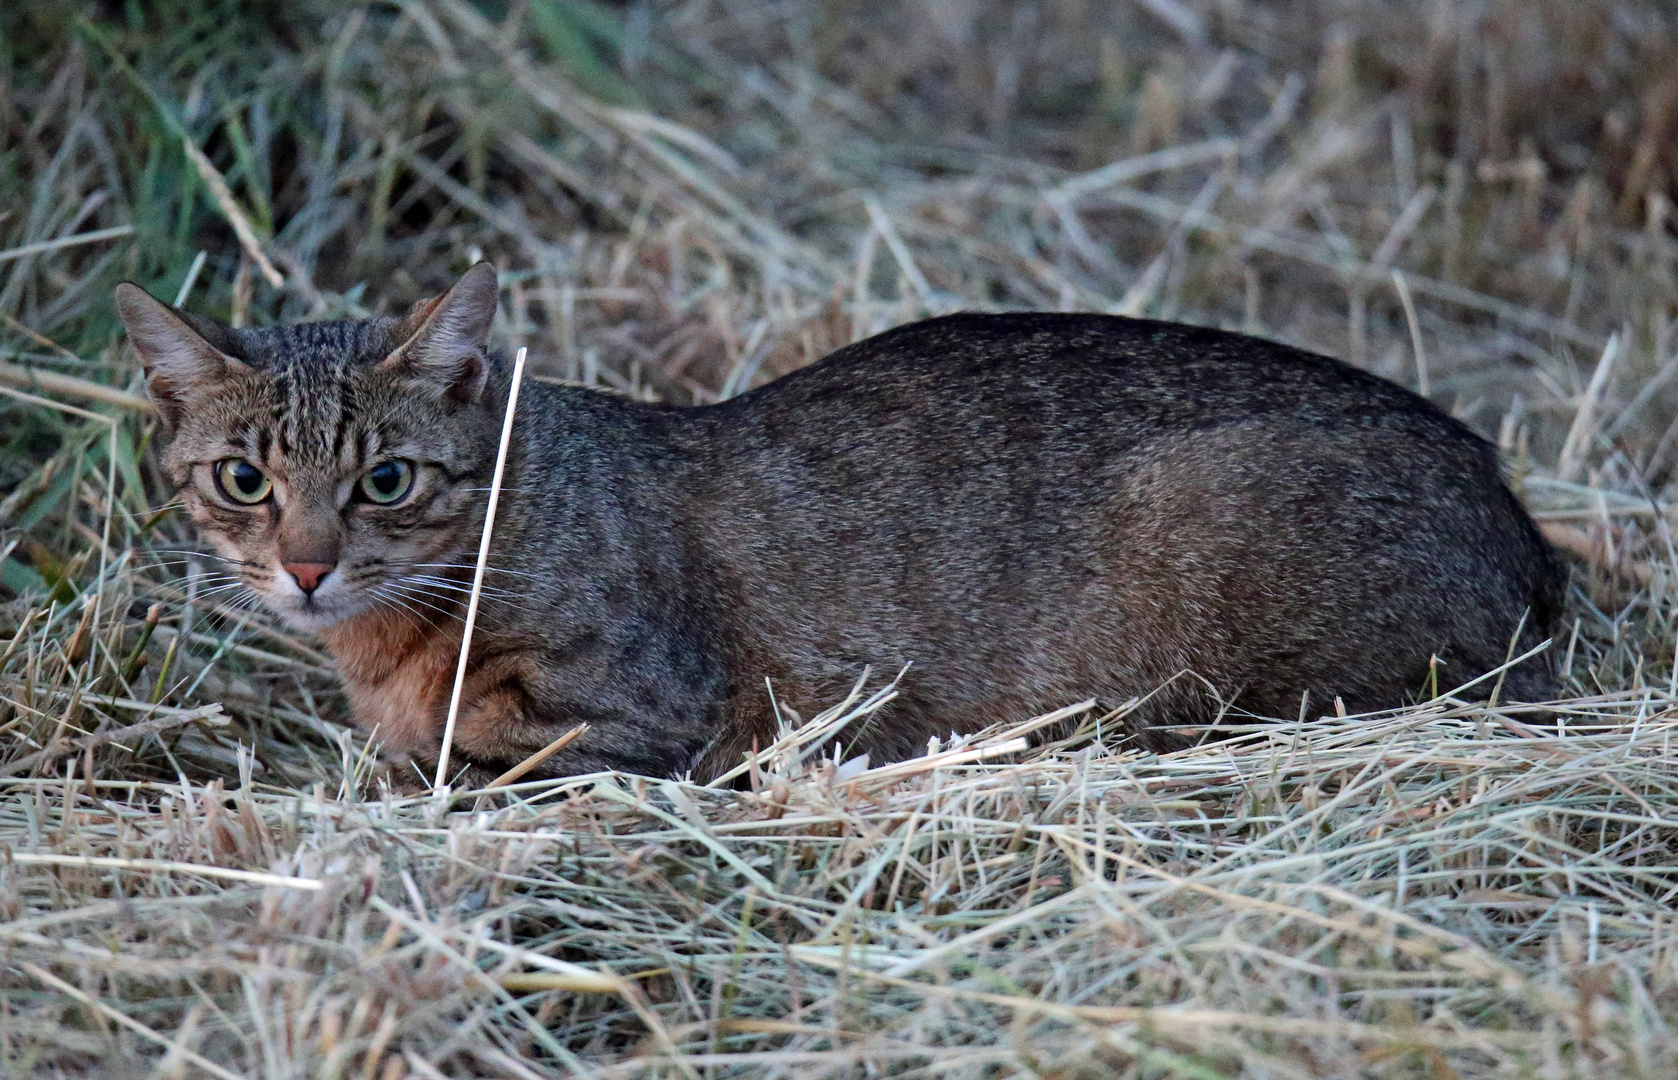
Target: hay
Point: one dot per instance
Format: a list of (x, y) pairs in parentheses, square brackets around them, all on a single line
[(203, 870)]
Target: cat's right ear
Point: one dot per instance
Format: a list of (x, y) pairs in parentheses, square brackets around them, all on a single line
[(180, 361)]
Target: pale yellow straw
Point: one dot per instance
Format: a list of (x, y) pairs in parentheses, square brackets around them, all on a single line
[(478, 574)]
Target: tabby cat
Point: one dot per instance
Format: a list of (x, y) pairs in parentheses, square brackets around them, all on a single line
[(1029, 508)]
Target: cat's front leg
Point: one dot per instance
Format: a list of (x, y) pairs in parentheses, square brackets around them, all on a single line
[(513, 707)]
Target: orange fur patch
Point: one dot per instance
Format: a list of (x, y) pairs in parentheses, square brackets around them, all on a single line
[(397, 674)]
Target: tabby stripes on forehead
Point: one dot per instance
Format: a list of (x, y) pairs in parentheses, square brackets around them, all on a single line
[(341, 436)]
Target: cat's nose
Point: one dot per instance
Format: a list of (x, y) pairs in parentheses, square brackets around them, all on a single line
[(308, 574)]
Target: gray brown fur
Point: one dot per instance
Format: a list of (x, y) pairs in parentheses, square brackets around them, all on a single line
[(1030, 509)]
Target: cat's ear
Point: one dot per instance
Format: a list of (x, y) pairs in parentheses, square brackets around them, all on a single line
[(445, 340), (180, 352)]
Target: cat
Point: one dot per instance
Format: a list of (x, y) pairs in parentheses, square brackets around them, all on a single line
[(1025, 509)]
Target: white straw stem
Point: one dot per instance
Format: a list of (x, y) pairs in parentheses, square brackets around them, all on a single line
[(1415, 325), (478, 573), (147, 866)]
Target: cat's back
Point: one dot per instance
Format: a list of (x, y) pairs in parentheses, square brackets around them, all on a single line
[(1026, 392), (1047, 369)]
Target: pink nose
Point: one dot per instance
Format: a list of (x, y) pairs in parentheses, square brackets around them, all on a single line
[(308, 574)]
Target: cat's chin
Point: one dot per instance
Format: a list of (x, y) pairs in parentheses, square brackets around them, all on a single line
[(314, 624), (316, 616)]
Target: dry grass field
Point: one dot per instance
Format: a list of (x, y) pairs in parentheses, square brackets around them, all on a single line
[(205, 872)]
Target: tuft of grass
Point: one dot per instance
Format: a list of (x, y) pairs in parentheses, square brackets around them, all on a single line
[(205, 870)]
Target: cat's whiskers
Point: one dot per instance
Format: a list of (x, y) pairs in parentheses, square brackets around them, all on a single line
[(162, 563), (249, 575), (203, 575), (473, 566), (381, 574), (452, 596), (454, 586), (212, 580), (202, 553), (238, 602), (189, 556), (204, 582), (205, 594), (395, 603), (421, 597)]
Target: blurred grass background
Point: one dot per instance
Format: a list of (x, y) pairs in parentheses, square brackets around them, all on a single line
[(686, 199)]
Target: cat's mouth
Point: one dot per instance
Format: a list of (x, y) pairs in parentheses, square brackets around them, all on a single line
[(312, 614), (327, 605)]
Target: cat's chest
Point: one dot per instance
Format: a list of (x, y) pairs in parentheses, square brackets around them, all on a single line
[(397, 675)]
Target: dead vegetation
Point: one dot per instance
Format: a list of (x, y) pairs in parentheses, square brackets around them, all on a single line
[(201, 875)]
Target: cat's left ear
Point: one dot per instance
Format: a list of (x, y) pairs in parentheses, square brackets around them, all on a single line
[(446, 340)]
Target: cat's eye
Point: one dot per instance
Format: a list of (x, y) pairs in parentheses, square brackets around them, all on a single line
[(387, 482), (242, 482)]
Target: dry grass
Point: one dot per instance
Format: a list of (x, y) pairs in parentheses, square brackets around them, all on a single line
[(199, 870)]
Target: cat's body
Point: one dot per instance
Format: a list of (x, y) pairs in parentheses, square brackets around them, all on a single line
[(1028, 509)]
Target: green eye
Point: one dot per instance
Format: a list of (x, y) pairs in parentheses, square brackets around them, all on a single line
[(387, 482), (243, 482)]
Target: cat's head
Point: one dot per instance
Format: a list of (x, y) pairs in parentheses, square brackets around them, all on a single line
[(336, 466)]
